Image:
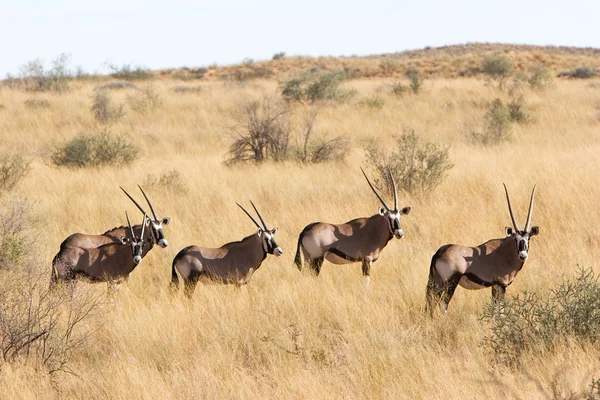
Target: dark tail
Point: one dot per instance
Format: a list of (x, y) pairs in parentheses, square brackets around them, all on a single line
[(432, 291), (174, 285), (54, 272), (298, 258)]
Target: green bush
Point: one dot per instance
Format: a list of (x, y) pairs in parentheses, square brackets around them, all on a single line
[(518, 111), (144, 100), (498, 68), (278, 56), (103, 109), (312, 86), (416, 79), (418, 168), (127, 72), (399, 89), (534, 323), (540, 78), (497, 125), (13, 168), (580, 73), (17, 234), (93, 150)]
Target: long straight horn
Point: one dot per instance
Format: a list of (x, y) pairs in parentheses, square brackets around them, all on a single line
[(375, 191), (130, 228), (528, 224), (150, 204), (259, 216), (132, 199), (394, 187), (512, 217), (248, 214), (144, 226)]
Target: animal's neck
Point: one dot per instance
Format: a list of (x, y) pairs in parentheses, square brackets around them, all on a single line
[(508, 247), (379, 230), (253, 246)]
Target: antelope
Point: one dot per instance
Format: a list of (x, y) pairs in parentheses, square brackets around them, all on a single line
[(232, 263), (111, 262), (114, 235), (494, 263), (359, 240)]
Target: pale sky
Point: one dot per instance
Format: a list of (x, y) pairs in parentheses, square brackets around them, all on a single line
[(159, 34)]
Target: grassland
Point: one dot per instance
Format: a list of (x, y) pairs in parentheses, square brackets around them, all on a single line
[(287, 334)]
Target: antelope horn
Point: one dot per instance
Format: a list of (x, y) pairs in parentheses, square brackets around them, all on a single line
[(248, 214), (528, 224), (143, 227), (375, 191), (150, 204), (394, 186), (130, 228), (259, 216), (132, 199), (512, 217)]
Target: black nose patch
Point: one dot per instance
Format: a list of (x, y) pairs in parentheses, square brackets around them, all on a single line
[(522, 245)]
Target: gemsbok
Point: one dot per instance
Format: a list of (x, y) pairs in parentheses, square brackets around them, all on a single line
[(359, 240), (111, 263), (494, 263), (232, 263), (114, 235)]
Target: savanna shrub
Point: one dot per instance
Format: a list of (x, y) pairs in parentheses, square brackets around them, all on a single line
[(418, 168), (498, 68), (399, 89), (128, 72), (170, 181), (319, 149), (37, 104), (13, 168), (497, 125), (534, 323), (278, 56), (34, 77), (415, 78), (103, 109), (580, 73), (17, 231), (540, 78), (94, 150), (144, 100), (375, 102), (313, 85)]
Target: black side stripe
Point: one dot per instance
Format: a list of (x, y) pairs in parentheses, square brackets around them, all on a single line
[(475, 279), (343, 255)]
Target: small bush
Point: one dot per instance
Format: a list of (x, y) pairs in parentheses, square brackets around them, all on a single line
[(498, 68), (580, 73), (103, 109), (417, 168), (278, 56), (37, 104), (127, 72), (145, 100), (534, 323), (312, 86), (320, 149), (497, 126), (187, 89), (262, 130), (13, 168), (518, 111), (170, 181), (17, 232), (389, 67), (35, 78), (374, 102), (399, 89), (118, 85), (94, 150), (416, 80), (540, 78)]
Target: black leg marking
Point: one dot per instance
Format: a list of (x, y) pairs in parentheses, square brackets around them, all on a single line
[(316, 264), (366, 268), (498, 291)]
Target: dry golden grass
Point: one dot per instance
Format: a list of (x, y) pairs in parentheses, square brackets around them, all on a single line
[(287, 334)]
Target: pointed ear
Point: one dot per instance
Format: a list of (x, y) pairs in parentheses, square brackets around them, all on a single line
[(535, 230), (165, 221), (273, 231), (381, 211), (260, 231), (405, 211), (124, 240), (509, 231)]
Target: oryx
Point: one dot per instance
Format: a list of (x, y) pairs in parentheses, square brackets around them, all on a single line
[(110, 262), (494, 263), (114, 235), (359, 240), (232, 263)]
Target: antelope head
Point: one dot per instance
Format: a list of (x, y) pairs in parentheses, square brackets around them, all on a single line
[(267, 235), (137, 243), (155, 223), (392, 215), (521, 236)]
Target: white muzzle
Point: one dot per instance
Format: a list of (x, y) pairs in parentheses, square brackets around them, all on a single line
[(137, 260), (278, 251)]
